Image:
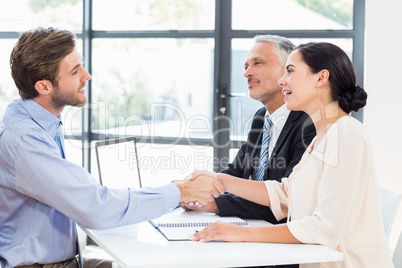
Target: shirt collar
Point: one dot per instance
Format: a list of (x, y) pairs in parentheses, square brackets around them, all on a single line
[(280, 114), (45, 119)]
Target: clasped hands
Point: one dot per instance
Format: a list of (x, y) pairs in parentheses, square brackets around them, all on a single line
[(200, 188)]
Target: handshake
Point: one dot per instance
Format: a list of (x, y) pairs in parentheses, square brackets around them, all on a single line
[(199, 189)]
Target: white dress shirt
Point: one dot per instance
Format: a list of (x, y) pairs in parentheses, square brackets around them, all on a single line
[(278, 119)]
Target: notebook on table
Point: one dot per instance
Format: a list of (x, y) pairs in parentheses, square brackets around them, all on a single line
[(179, 225), (118, 164)]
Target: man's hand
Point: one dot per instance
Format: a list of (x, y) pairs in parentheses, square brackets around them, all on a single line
[(203, 189), (206, 173), (210, 207)]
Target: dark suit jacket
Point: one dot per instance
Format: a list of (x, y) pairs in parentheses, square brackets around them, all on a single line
[(295, 136)]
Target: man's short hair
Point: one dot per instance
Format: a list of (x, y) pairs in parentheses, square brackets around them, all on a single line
[(37, 55), (283, 45)]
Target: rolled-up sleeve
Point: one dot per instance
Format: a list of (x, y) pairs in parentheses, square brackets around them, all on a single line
[(278, 196)]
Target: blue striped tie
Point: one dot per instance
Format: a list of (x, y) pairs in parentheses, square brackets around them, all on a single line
[(266, 136)]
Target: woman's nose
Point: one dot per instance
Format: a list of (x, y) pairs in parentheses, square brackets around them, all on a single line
[(281, 81)]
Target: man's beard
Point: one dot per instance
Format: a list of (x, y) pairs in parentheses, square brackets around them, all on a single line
[(60, 100)]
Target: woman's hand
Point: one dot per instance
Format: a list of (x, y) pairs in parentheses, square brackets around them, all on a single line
[(201, 190), (196, 173), (221, 231), (196, 205)]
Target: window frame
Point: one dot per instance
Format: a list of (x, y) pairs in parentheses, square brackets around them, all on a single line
[(222, 35)]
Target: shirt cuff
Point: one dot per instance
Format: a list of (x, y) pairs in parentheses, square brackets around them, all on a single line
[(171, 195), (277, 207)]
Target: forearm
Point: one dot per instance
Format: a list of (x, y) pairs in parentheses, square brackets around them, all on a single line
[(254, 191), (232, 205), (279, 233), (233, 233)]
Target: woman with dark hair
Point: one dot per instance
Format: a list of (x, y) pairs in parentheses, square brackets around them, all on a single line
[(332, 197)]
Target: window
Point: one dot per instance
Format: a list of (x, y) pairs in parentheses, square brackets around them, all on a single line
[(292, 15), (142, 15), (22, 15), (146, 87), (7, 86)]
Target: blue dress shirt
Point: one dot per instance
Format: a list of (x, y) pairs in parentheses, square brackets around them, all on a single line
[(42, 195)]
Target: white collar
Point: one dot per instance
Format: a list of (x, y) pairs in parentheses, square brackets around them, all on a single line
[(280, 114)]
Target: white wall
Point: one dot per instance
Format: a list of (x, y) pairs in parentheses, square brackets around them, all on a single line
[(383, 82)]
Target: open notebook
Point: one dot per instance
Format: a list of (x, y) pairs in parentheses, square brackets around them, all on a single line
[(179, 225), (118, 163)]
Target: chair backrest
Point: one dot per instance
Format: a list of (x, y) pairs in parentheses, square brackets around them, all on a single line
[(397, 258), (390, 200), (118, 163)]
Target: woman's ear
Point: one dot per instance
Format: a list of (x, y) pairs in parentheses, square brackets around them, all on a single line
[(44, 87), (323, 77)]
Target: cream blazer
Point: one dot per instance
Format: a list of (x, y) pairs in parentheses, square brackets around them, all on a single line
[(332, 198)]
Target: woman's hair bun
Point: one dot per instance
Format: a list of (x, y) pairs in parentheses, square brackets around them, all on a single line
[(352, 99)]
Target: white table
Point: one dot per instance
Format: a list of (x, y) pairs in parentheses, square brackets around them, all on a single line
[(141, 245)]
